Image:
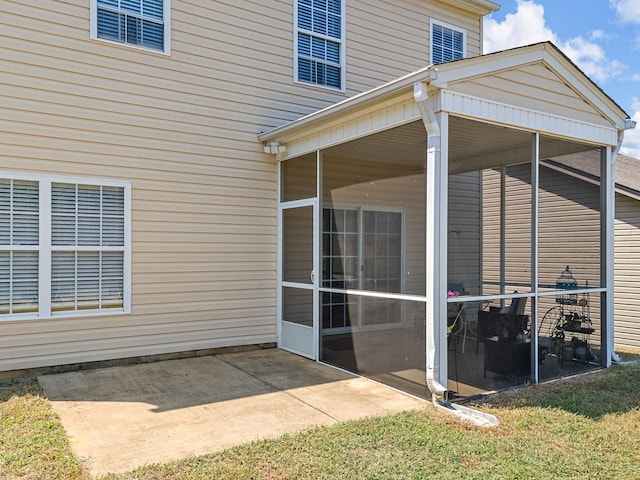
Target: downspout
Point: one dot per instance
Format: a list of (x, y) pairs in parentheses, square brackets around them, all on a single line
[(421, 96), (436, 237)]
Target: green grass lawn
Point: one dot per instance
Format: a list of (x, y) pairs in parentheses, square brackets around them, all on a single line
[(584, 427)]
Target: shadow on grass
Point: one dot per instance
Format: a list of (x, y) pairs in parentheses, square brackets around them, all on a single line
[(592, 396)]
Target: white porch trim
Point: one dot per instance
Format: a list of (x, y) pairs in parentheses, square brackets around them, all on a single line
[(402, 109), (467, 106)]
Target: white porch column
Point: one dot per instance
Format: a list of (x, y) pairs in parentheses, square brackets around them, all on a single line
[(607, 259), (535, 254)]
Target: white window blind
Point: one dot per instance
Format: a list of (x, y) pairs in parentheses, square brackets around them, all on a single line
[(84, 250), (319, 42), (135, 22), (447, 44), (19, 238), (91, 218)]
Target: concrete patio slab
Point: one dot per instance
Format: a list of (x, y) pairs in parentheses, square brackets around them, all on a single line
[(119, 418)]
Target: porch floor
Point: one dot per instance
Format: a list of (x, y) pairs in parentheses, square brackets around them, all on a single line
[(396, 357)]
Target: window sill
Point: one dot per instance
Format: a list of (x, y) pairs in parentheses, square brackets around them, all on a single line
[(64, 315), (166, 52)]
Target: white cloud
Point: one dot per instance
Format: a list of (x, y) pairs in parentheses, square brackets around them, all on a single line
[(528, 25), (631, 144), (524, 27), (592, 59), (627, 10)]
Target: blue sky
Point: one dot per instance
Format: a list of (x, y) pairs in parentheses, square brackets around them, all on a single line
[(602, 37)]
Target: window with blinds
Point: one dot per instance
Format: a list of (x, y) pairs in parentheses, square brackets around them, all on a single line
[(87, 237), (79, 261), (133, 22), (19, 240), (447, 43), (319, 42)]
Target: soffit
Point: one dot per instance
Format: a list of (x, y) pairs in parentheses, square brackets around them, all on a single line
[(481, 7)]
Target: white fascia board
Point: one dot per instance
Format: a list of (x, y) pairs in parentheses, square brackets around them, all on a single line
[(581, 83), (481, 7)]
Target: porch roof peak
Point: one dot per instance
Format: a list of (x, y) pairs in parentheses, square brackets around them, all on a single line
[(440, 76)]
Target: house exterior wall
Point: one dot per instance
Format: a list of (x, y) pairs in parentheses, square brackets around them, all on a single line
[(464, 260), (573, 203), (627, 268), (400, 38), (182, 129)]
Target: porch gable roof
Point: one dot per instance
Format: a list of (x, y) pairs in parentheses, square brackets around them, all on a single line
[(393, 104)]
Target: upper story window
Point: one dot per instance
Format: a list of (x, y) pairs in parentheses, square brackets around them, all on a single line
[(319, 42), (143, 23), (448, 43)]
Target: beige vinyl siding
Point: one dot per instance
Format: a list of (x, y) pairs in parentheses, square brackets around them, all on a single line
[(182, 128), (533, 87), (386, 40), (518, 229), (627, 272), (464, 231)]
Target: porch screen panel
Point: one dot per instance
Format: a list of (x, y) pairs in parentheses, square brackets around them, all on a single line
[(570, 253), (570, 219), (373, 258), (489, 254), (506, 230), (298, 177), (393, 355), (297, 250)]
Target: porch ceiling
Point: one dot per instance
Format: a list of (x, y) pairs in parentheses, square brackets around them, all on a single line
[(473, 145)]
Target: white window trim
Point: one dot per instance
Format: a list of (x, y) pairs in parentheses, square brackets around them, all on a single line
[(93, 30), (452, 27), (343, 56), (44, 262)]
